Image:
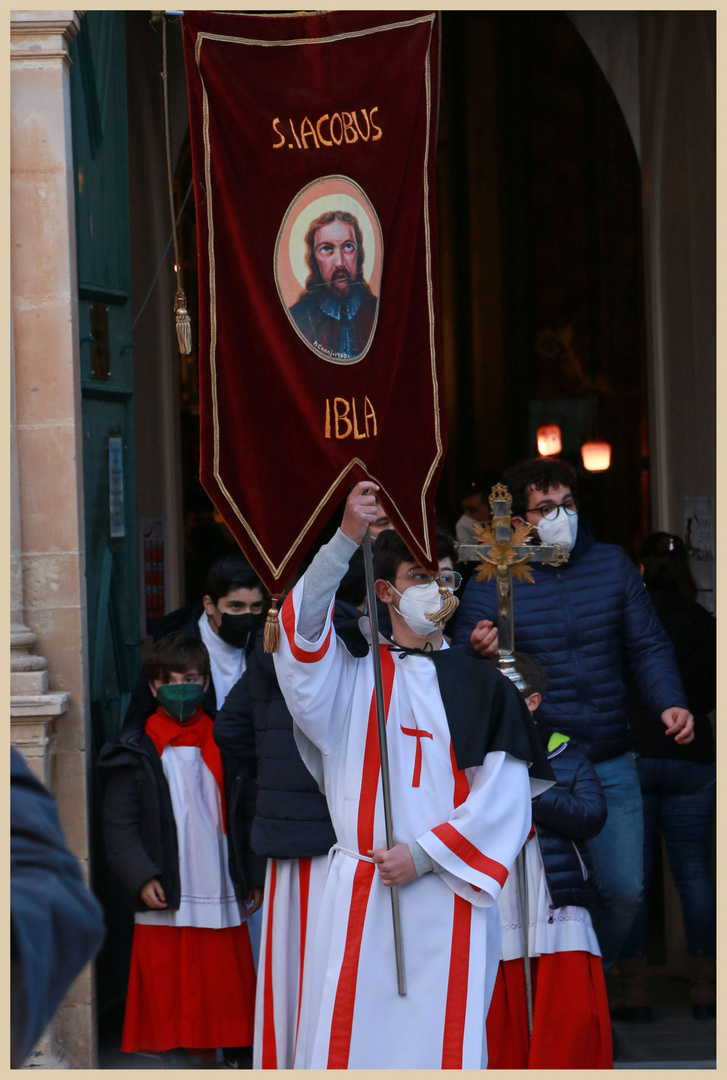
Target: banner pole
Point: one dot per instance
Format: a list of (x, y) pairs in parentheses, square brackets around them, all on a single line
[(383, 748)]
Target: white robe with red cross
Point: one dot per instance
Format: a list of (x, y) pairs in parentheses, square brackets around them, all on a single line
[(471, 822)]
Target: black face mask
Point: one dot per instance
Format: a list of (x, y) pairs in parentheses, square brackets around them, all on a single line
[(236, 629)]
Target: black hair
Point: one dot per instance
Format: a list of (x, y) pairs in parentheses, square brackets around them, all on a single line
[(540, 474), (352, 589), (179, 653), (532, 672), (390, 552), (228, 573), (666, 564)]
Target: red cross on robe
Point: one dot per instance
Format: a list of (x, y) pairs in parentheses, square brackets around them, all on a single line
[(418, 734)]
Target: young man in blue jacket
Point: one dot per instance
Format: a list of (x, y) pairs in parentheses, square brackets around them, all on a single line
[(583, 620)]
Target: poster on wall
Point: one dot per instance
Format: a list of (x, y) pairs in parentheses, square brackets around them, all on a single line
[(117, 528), (152, 560)]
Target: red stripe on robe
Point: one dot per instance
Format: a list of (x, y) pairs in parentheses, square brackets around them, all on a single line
[(459, 966), (269, 1049), (304, 888), (339, 1045), (456, 1009), (469, 854), (461, 786), (288, 618), (461, 783)]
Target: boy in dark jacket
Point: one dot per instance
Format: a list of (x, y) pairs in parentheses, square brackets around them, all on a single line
[(192, 978), (570, 1019)]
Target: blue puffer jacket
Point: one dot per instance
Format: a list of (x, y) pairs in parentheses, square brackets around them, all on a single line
[(580, 620), (565, 816)]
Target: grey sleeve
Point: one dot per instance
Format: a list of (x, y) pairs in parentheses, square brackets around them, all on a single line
[(320, 582), (422, 861)]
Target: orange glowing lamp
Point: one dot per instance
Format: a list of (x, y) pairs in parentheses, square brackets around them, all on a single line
[(596, 456), (549, 440)]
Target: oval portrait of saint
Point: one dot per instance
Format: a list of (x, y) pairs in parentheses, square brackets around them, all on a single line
[(328, 259)]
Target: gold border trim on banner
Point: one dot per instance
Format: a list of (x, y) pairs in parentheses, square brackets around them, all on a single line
[(277, 570), (321, 356), (203, 35)]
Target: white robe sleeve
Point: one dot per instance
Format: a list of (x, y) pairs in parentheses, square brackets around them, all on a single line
[(478, 846), (316, 677)]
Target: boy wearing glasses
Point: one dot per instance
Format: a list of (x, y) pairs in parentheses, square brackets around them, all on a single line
[(459, 744), (583, 620)]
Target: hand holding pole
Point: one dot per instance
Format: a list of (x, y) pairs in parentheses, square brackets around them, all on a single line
[(381, 723)]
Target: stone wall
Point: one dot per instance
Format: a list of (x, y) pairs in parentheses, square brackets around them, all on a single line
[(49, 703)]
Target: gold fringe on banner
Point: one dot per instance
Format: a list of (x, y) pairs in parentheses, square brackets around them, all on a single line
[(271, 636), (184, 324), (450, 603)]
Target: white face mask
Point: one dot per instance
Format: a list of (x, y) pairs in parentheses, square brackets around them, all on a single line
[(561, 530), (415, 603)]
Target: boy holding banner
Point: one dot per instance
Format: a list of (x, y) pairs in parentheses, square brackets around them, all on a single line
[(459, 745)]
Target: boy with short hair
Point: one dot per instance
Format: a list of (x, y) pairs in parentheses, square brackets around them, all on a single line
[(233, 611), (459, 743), (192, 978), (571, 1025), (225, 620)]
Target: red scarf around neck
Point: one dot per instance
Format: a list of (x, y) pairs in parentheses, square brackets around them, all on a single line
[(162, 730)]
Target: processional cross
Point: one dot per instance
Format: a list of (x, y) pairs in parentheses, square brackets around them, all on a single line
[(504, 552)]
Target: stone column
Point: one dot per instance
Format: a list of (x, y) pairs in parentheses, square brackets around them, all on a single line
[(678, 134), (32, 707), (678, 123), (49, 646)]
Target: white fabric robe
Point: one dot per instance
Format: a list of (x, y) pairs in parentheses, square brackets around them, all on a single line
[(207, 894), (227, 664), (293, 891), (550, 930), (472, 823)]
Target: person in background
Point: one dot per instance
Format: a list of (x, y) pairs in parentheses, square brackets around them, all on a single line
[(678, 784), (56, 924), (381, 524), (475, 512), (170, 841), (571, 1026), (225, 620), (582, 620)]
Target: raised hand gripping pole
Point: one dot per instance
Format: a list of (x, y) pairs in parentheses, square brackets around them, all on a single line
[(383, 748)]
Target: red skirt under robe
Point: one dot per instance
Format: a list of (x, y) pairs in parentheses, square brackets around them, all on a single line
[(571, 1023), (189, 987)]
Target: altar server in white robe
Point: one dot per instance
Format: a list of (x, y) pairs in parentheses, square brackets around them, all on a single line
[(459, 744)]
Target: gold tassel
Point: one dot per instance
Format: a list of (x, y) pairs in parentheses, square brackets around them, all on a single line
[(450, 603), (184, 324), (271, 636)]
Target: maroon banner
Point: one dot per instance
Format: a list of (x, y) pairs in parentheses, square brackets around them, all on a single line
[(313, 149)]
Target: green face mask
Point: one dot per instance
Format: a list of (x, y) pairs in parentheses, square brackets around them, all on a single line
[(180, 700)]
